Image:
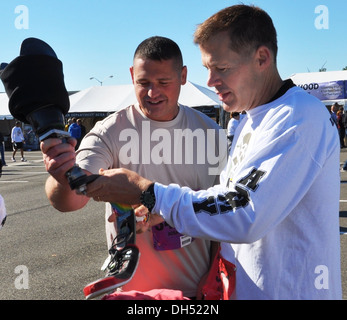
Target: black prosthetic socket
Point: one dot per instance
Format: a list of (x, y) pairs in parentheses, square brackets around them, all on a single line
[(34, 83)]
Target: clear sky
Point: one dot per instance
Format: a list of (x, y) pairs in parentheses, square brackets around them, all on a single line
[(97, 38)]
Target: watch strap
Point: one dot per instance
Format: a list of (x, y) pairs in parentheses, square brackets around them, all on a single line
[(148, 198)]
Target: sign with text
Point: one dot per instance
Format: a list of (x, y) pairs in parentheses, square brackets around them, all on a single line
[(332, 90)]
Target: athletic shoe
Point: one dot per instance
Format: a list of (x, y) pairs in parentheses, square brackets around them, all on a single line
[(23, 160), (13, 159)]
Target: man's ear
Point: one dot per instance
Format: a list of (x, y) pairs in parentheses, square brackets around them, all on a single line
[(132, 73), (263, 57), (184, 75)]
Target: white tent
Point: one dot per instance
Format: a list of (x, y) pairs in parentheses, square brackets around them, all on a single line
[(4, 112), (101, 99), (329, 87), (193, 95), (318, 77), (106, 99)]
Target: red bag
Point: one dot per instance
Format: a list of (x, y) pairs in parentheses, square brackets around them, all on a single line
[(221, 280)]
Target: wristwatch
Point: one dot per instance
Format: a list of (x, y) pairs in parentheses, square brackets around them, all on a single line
[(148, 198)]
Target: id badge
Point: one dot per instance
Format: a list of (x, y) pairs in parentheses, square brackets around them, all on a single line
[(166, 237)]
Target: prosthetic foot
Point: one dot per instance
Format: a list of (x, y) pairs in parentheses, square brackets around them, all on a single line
[(124, 255)]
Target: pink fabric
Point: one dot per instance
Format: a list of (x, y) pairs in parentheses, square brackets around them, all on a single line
[(155, 294)]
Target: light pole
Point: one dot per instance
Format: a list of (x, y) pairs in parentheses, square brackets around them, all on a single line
[(101, 82)]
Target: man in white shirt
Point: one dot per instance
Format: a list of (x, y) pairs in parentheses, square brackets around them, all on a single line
[(18, 140), (276, 210)]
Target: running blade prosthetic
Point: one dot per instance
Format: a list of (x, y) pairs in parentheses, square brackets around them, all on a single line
[(124, 255)]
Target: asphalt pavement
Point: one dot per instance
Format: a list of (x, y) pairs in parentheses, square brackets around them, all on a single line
[(46, 254), (49, 255)]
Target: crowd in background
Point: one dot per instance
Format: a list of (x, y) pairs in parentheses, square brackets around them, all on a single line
[(340, 117), (76, 129)]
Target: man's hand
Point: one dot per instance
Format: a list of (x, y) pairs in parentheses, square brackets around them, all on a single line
[(141, 225), (58, 157), (118, 186), (153, 219)]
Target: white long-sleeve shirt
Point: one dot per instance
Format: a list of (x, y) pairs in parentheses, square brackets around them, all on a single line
[(277, 207)]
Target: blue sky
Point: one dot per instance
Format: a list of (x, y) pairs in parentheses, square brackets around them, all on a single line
[(97, 38)]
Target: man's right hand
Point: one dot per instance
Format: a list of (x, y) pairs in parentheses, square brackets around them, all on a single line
[(58, 156)]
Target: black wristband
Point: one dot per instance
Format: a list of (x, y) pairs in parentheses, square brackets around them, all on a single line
[(148, 198)]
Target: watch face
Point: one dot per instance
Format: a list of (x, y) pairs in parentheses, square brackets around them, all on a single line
[(148, 198)]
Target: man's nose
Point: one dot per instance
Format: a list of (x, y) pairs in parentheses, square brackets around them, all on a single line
[(213, 80), (153, 91)]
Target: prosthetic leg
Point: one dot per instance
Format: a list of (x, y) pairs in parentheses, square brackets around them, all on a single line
[(123, 258), (34, 83)]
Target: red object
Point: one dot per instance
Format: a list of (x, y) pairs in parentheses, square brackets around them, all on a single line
[(155, 294), (221, 280), (102, 286)]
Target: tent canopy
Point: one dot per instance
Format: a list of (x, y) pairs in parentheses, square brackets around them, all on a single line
[(101, 99), (318, 77), (193, 95), (113, 98), (4, 112), (107, 99)]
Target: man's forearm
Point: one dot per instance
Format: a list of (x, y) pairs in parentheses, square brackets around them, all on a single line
[(62, 197)]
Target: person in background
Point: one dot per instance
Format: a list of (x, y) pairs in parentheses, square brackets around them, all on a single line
[(75, 130), (83, 132), (68, 123), (333, 110), (2, 150), (341, 126), (18, 141)]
